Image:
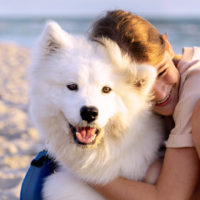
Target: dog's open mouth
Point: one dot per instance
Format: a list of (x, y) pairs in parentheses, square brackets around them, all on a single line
[(84, 135)]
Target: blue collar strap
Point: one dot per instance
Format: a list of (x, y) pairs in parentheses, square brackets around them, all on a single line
[(41, 167)]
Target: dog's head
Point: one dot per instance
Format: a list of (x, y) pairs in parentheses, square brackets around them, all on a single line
[(82, 92)]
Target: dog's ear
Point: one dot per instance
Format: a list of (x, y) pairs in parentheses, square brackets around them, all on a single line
[(53, 39), (145, 78), (141, 76), (120, 59)]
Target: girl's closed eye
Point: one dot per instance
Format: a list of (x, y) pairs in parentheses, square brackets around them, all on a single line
[(162, 72)]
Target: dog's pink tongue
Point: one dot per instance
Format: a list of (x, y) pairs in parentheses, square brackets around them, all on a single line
[(85, 134)]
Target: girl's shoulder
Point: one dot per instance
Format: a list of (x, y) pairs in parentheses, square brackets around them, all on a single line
[(188, 54), (189, 60)]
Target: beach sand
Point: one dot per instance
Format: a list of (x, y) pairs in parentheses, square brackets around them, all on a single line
[(18, 139)]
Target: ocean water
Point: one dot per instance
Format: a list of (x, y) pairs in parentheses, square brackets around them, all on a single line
[(25, 31)]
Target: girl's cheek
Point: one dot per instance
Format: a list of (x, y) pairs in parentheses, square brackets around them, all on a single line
[(171, 77)]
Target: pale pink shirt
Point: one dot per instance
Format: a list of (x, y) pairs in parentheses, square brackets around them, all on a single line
[(189, 93)]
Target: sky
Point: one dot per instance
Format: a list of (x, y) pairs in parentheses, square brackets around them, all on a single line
[(174, 8)]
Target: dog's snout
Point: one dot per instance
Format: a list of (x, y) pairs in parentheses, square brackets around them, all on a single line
[(89, 113)]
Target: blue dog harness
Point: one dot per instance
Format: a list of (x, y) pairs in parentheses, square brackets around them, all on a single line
[(41, 167)]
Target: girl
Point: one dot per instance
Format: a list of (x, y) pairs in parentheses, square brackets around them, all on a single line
[(176, 93)]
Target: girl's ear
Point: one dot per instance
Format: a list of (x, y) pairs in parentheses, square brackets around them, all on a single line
[(168, 45)]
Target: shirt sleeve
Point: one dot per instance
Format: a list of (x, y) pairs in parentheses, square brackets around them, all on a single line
[(181, 135)]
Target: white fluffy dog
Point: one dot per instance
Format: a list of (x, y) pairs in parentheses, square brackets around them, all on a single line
[(91, 104)]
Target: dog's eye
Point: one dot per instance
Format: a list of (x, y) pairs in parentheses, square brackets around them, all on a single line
[(72, 86), (106, 89)]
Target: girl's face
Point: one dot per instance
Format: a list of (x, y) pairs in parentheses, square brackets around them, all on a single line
[(166, 86)]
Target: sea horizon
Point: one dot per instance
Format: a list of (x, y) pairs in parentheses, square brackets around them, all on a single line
[(24, 31)]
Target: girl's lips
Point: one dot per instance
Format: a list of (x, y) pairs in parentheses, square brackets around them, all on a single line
[(164, 101)]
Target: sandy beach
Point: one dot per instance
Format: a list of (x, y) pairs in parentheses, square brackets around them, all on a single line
[(18, 139)]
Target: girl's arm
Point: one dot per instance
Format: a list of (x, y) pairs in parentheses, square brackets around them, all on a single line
[(177, 180), (196, 126)]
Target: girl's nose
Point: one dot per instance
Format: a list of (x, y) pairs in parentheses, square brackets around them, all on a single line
[(160, 91)]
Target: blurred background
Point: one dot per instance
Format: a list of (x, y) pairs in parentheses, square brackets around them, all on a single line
[(21, 21)]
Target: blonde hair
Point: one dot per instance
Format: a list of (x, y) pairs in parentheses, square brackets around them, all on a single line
[(135, 35)]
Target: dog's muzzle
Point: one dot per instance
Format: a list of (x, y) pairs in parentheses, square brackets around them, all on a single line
[(84, 135)]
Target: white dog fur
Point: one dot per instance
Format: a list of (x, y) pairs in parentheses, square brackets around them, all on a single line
[(129, 134)]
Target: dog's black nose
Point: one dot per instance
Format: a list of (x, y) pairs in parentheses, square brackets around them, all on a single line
[(89, 113)]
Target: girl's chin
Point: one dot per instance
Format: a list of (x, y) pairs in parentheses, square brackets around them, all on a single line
[(165, 110), (164, 113)]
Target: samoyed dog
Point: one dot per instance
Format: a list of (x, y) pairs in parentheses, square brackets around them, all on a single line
[(92, 105)]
